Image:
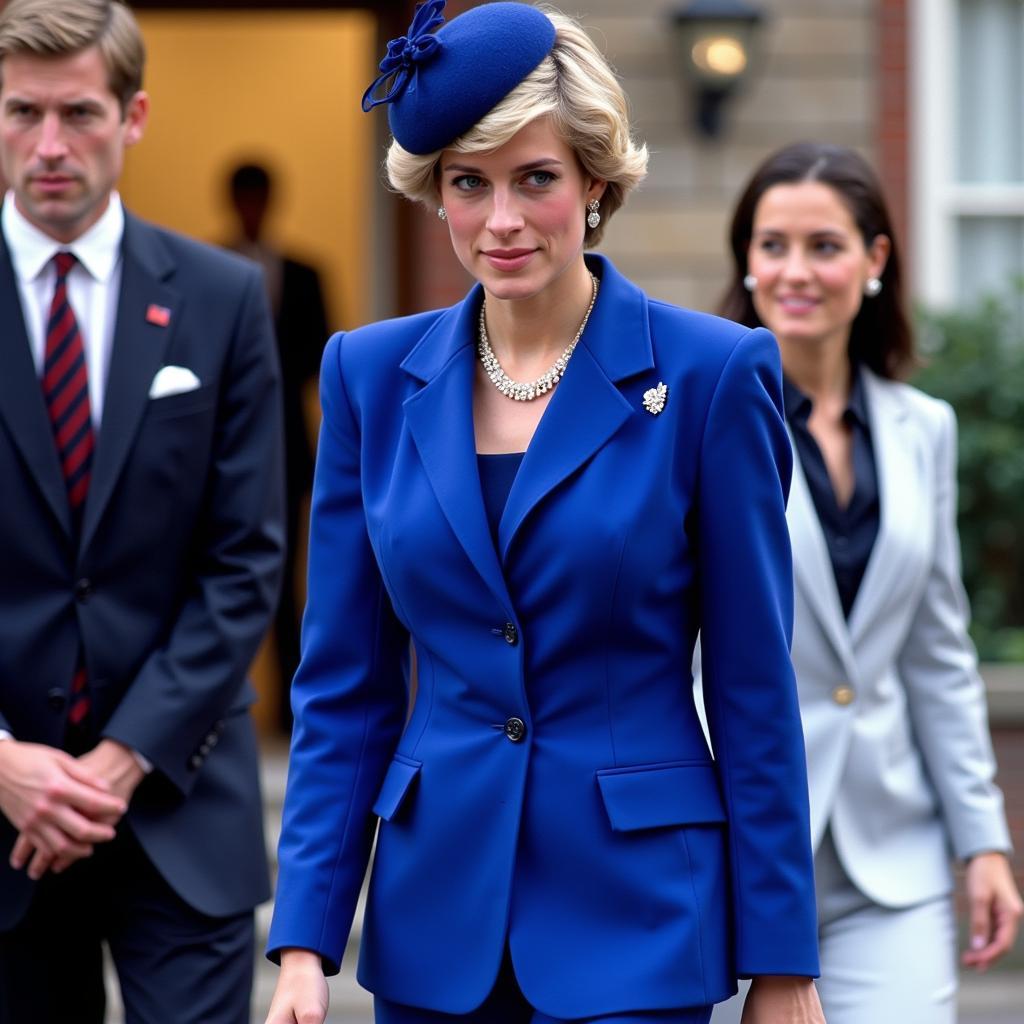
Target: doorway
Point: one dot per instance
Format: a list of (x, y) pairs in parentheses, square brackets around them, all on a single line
[(281, 88)]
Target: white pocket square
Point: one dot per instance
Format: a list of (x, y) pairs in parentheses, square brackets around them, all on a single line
[(173, 380)]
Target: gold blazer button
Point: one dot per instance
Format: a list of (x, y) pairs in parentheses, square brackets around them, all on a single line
[(843, 695)]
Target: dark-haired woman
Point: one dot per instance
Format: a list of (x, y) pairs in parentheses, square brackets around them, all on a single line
[(900, 763)]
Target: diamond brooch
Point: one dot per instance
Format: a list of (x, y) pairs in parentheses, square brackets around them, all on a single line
[(655, 398)]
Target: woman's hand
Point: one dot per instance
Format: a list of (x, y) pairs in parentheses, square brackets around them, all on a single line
[(301, 995), (995, 909), (782, 1000)]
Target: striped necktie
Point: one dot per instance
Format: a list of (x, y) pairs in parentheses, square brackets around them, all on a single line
[(66, 392)]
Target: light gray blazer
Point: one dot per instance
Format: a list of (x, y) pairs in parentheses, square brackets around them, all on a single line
[(903, 772)]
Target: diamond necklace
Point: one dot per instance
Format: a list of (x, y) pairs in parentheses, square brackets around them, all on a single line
[(527, 392)]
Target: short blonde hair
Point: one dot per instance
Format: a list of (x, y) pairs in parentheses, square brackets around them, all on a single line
[(58, 28), (574, 86)]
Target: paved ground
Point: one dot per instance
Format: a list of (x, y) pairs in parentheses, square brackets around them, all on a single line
[(996, 998)]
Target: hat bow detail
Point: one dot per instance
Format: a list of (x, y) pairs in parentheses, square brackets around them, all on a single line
[(405, 52)]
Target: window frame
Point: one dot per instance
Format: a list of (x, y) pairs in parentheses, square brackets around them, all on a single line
[(938, 200)]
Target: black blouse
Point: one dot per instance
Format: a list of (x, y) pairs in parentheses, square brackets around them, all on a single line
[(850, 532)]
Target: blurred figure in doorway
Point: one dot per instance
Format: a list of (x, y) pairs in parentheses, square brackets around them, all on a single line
[(300, 321)]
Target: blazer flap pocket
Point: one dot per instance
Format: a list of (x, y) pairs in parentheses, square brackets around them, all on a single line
[(656, 795), (399, 778)]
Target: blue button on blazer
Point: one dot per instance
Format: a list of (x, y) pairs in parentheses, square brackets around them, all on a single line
[(624, 867)]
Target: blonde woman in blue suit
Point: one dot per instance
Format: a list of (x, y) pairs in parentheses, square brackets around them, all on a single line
[(548, 488), (899, 759)]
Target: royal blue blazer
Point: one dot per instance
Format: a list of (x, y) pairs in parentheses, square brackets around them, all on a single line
[(623, 866)]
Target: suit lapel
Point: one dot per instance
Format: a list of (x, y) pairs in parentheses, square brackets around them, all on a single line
[(21, 399), (138, 353), (899, 489), (440, 419), (585, 410), (812, 567), (587, 407)]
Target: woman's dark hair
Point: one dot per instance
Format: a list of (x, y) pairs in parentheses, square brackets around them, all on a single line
[(880, 336)]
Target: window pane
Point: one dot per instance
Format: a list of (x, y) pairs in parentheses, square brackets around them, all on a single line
[(990, 254), (991, 91)]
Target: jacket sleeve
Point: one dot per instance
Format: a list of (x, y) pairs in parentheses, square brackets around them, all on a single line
[(945, 694), (349, 697), (186, 685), (746, 594)]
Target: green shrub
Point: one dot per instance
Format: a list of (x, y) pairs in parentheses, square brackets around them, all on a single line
[(975, 360)]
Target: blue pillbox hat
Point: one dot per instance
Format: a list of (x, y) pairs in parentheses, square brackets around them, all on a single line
[(444, 82)]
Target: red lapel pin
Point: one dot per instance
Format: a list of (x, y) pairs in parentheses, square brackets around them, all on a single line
[(159, 315)]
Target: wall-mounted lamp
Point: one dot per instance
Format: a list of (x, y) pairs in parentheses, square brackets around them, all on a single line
[(715, 50)]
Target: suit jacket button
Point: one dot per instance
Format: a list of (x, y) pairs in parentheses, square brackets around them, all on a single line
[(511, 634), (195, 762), (56, 699), (843, 695), (515, 729), (83, 590)]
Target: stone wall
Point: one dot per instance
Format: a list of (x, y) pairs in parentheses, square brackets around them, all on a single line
[(817, 80)]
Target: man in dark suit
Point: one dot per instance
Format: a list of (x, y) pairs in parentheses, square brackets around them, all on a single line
[(140, 549), (300, 323)]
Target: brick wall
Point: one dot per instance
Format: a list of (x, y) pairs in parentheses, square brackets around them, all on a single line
[(893, 135), (1008, 741), (1007, 724), (816, 81), (1005, 684)]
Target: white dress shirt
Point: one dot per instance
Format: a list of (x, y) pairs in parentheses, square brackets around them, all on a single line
[(93, 285)]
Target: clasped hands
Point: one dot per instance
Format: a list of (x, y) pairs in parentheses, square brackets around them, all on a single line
[(63, 806)]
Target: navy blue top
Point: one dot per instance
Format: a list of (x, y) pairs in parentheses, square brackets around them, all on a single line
[(850, 532), (497, 472)]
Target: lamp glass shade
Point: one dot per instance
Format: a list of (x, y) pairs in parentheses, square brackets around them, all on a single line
[(714, 53)]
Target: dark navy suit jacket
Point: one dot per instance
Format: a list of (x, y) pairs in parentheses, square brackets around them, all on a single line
[(170, 587), (625, 867)]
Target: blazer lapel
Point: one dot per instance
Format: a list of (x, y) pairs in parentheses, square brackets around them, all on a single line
[(812, 567), (585, 410), (138, 353), (21, 399), (899, 489), (440, 419), (587, 407)]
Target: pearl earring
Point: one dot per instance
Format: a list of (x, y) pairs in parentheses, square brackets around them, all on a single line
[(442, 213), (593, 218), (750, 282), (872, 286)]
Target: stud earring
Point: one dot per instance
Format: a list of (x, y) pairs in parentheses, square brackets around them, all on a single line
[(872, 286), (593, 218), (750, 282), (442, 213)]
